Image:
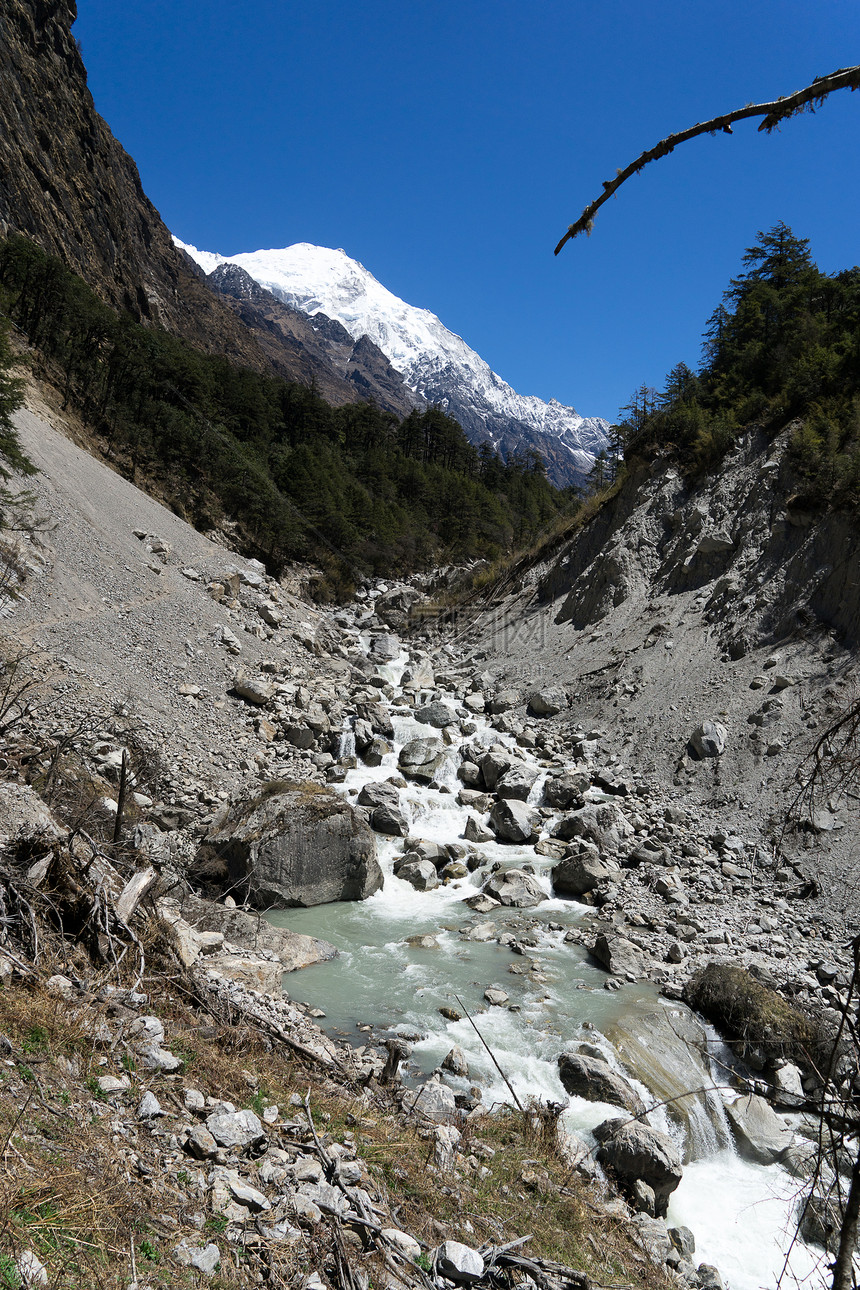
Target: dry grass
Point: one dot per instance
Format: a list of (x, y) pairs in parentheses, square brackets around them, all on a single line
[(69, 1189)]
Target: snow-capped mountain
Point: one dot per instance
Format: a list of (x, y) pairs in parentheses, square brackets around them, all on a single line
[(435, 363)]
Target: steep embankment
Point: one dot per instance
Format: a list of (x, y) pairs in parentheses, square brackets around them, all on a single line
[(722, 600)]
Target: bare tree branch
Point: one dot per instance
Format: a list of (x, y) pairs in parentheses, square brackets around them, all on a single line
[(805, 100)]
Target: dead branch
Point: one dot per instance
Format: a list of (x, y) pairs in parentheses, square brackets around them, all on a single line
[(805, 100)]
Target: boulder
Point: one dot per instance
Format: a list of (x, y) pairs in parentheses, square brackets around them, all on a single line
[(580, 874), (259, 693), (596, 1081), (634, 1151), (456, 1063), (421, 758), (618, 955), (438, 854), (564, 793), (240, 1129), (493, 765), (435, 1100), (511, 822), (517, 781), (787, 1086), (459, 1262), (503, 701), (378, 718), (385, 648), (22, 812), (390, 821), (599, 822), (250, 931), (438, 715), (516, 888), (294, 844), (709, 739), (381, 793), (473, 831), (760, 1134), (546, 702), (420, 873)]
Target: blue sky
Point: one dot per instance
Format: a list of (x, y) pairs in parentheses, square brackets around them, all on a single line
[(447, 146)]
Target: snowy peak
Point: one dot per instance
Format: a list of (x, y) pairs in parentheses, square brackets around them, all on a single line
[(436, 364)]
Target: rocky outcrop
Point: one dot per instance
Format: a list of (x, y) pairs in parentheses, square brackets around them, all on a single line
[(252, 932), (596, 1081), (294, 845), (637, 1154), (319, 350)]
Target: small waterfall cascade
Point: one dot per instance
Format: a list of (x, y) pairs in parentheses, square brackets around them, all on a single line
[(345, 742)]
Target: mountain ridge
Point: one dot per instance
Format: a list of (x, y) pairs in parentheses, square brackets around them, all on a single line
[(436, 364)]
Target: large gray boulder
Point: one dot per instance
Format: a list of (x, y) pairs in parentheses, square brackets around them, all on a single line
[(383, 802), (511, 822), (759, 1132), (493, 766), (618, 955), (581, 873), (436, 714), (547, 701), (516, 888), (709, 739), (379, 793), (599, 822), (420, 873), (564, 792), (517, 781), (421, 758), (596, 1081), (290, 844), (635, 1152)]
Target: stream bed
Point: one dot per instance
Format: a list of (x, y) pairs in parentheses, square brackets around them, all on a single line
[(741, 1214)]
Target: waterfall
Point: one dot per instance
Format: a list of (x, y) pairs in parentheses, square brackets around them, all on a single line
[(346, 741)]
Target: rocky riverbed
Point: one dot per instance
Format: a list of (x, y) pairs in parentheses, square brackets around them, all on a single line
[(477, 836)]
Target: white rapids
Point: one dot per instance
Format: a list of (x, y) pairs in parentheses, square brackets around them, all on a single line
[(742, 1214)]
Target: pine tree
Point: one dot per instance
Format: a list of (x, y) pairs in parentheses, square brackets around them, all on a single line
[(12, 456)]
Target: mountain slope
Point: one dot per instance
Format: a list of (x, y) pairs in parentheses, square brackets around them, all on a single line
[(437, 364), (317, 350), (66, 183)]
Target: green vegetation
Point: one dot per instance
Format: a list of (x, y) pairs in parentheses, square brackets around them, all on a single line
[(351, 487), (11, 397), (783, 345), (757, 1017)]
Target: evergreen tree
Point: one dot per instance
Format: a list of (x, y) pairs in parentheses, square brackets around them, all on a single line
[(12, 456)]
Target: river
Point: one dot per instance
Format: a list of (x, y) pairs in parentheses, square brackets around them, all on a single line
[(742, 1214)]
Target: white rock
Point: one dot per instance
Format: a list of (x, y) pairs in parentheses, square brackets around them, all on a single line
[(149, 1107), (459, 1262), (402, 1241), (109, 1084), (33, 1272)]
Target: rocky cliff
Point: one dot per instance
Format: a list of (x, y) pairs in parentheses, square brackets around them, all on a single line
[(318, 349), (67, 183)]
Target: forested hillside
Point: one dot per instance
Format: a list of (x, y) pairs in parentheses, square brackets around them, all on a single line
[(784, 343), (352, 487)]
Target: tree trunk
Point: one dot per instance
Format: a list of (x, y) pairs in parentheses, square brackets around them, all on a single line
[(843, 1268)]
